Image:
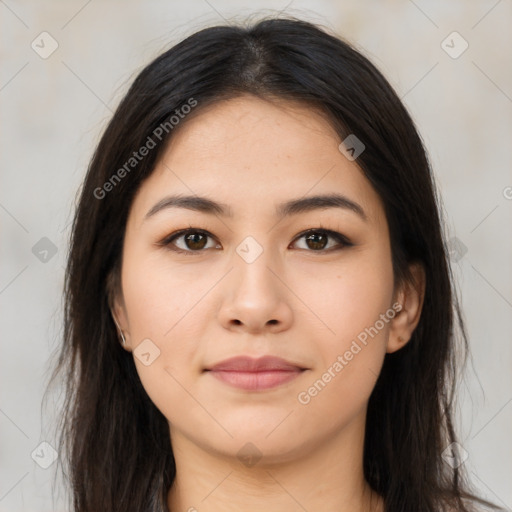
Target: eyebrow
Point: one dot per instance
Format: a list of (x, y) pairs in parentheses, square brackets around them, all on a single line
[(292, 207)]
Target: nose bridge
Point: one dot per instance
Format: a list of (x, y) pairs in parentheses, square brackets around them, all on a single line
[(253, 261), (254, 296)]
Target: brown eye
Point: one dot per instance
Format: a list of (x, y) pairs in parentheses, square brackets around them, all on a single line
[(195, 241), (318, 240), (189, 240)]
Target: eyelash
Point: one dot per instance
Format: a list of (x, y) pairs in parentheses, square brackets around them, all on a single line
[(167, 241)]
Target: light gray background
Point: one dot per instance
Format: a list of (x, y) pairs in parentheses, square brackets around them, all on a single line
[(53, 111)]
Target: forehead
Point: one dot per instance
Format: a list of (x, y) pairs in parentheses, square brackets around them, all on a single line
[(253, 154)]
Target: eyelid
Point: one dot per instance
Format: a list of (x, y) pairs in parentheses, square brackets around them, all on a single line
[(339, 237), (167, 241), (342, 240)]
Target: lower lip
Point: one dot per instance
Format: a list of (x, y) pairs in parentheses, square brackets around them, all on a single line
[(256, 381)]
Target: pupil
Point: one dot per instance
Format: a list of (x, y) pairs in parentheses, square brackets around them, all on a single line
[(193, 239), (314, 238)]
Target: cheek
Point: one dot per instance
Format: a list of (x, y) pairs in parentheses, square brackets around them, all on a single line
[(362, 295), (160, 297), (349, 297), (355, 305), (163, 306), (338, 389)]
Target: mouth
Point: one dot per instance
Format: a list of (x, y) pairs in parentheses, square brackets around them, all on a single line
[(255, 374)]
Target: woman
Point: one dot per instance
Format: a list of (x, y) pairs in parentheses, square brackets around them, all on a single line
[(260, 314)]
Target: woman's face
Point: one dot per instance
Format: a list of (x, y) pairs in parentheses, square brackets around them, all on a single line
[(248, 281)]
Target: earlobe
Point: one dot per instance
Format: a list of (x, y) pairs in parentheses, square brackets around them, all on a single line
[(119, 330), (116, 312), (411, 297), (116, 306)]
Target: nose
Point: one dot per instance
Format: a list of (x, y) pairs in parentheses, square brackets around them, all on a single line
[(256, 298)]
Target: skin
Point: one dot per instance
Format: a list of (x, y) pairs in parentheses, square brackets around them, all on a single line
[(297, 301)]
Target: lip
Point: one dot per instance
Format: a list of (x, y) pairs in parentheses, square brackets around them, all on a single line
[(252, 374)]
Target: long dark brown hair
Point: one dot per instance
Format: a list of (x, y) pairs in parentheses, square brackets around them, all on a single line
[(118, 455)]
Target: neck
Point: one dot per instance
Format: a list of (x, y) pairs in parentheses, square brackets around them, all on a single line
[(328, 477)]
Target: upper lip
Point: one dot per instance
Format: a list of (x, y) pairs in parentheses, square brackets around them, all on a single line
[(250, 364)]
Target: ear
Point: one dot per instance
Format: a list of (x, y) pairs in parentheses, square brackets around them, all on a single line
[(411, 296), (120, 319), (118, 311)]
